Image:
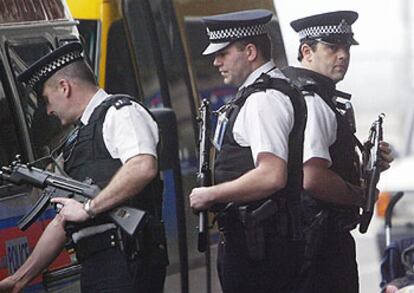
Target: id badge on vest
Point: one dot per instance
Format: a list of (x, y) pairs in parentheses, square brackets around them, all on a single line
[(221, 126)]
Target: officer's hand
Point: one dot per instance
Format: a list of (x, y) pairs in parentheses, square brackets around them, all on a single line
[(201, 198), (391, 289), (71, 210), (386, 156), (9, 285)]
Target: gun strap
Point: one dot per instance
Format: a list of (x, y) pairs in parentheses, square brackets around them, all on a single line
[(348, 129)]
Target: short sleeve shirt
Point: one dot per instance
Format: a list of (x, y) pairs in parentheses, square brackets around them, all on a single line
[(128, 131), (266, 119), (320, 131)]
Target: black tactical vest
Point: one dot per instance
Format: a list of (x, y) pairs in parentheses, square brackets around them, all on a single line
[(234, 160), (345, 159), (86, 156)]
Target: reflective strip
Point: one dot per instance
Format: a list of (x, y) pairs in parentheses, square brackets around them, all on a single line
[(90, 231)]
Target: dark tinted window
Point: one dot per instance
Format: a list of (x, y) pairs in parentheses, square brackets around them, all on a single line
[(44, 131), (88, 30), (120, 76), (146, 50), (9, 144), (165, 82)]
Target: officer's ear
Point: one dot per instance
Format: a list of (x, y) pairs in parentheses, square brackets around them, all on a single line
[(251, 51), (64, 87), (306, 51)]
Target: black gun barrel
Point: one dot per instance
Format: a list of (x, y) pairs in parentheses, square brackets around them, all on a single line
[(203, 179), (368, 212), (204, 173), (22, 174), (373, 174), (125, 217)]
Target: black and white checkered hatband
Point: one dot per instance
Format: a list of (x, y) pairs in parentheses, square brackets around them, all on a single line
[(236, 33), (326, 30), (55, 65)]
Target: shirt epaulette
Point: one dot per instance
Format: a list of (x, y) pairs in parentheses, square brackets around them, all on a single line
[(308, 94), (121, 102)]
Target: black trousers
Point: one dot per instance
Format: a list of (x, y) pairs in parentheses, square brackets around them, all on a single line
[(110, 271), (334, 269), (277, 272)]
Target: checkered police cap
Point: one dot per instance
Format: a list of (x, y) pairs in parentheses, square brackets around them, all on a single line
[(331, 27), (40, 71), (223, 29)]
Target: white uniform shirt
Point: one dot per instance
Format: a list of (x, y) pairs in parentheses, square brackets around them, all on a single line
[(266, 118), (128, 131), (320, 131)]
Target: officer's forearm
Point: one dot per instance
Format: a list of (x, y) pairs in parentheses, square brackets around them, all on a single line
[(327, 186), (268, 177), (130, 179), (47, 249)]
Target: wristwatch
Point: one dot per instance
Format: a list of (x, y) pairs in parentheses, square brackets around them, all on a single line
[(87, 208)]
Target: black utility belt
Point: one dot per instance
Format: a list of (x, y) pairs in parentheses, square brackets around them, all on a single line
[(270, 211), (234, 222), (150, 241), (96, 243)]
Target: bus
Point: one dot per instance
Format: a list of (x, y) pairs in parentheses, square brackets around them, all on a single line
[(150, 50), (28, 31)]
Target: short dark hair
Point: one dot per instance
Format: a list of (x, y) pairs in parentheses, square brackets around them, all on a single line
[(262, 43), (79, 70), (310, 43)]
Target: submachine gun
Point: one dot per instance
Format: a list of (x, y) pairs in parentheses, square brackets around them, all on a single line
[(204, 172), (371, 171), (53, 185), (203, 180)]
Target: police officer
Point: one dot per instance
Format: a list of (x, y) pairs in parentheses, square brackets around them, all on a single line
[(258, 169), (333, 194), (115, 145)]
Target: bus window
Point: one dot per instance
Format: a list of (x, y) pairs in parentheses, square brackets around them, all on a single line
[(88, 29), (120, 76), (165, 81), (163, 74), (143, 40), (9, 144), (176, 74), (24, 54), (21, 56)]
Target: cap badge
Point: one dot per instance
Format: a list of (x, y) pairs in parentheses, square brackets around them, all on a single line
[(344, 27)]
